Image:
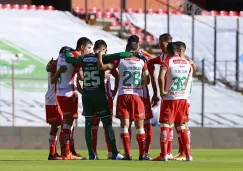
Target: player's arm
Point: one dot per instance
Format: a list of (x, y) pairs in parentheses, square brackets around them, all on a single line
[(61, 70), (79, 88), (162, 73), (122, 55), (101, 65), (145, 76), (115, 74), (194, 66), (49, 66), (76, 61)]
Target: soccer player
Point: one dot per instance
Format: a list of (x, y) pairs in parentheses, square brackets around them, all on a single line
[(181, 153), (68, 98), (173, 90), (147, 105), (133, 76), (53, 113)]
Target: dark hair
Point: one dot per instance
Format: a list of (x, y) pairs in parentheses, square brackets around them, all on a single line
[(165, 37), (132, 46), (65, 48), (172, 48), (83, 41), (180, 44), (99, 44), (133, 38)]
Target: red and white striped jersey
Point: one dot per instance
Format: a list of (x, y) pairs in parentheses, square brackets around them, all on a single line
[(50, 97)]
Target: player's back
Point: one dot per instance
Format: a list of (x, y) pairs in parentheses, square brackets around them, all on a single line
[(50, 97), (67, 81), (178, 71), (93, 84), (130, 72)]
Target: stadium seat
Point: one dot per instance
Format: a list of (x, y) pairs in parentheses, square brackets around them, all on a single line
[(117, 10), (41, 7), (241, 14), (24, 7), (214, 13), (32, 7), (205, 13), (149, 38), (130, 10), (93, 10), (50, 8), (115, 23), (99, 14), (107, 14), (179, 12), (161, 11), (150, 11), (233, 13), (132, 30), (140, 11), (172, 12), (224, 13), (16, 6), (76, 9), (7, 6), (111, 10)]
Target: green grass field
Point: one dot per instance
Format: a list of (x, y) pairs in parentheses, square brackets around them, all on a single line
[(205, 160)]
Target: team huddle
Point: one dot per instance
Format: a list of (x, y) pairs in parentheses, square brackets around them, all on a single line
[(133, 71)]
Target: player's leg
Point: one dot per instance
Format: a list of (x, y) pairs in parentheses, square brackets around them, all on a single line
[(181, 119), (103, 112), (166, 118), (170, 143), (68, 106), (95, 134), (54, 118), (138, 115), (181, 151)]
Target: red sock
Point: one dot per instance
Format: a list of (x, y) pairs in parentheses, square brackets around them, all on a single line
[(130, 133), (94, 139), (126, 141), (185, 140), (141, 141), (72, 146), (170, 143), (148, 136), (164, 138), (52, 143), (66, 141)]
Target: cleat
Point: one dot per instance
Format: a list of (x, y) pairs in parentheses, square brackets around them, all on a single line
[(147, 157), (169, 156), (141, 158), (117, 156), (58, 155), (179, 158), (93, 157), (109, 156), (127, 157), (72, 157), (160, 158), (178, 154), (79, 155), (54, 157), (189, 158)]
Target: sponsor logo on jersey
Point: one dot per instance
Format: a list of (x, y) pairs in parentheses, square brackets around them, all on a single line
[(90, 59), (179, 61)]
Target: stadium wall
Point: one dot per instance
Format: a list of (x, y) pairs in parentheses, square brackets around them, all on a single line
[(37, 138)]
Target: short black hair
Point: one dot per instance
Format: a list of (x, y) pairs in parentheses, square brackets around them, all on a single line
[(180, 44), (65, 48), (83, 41), (132, 46), (165, 37), (133, 38), (99, 44), (172, 48)]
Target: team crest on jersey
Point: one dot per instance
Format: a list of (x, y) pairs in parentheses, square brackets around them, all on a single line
[(90, 59), (179, 61)]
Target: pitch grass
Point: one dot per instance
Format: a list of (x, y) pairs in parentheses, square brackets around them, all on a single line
[(32, 160)]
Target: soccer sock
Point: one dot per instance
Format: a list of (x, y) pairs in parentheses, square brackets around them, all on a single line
[(61, 142), (185, 139), (110, 134), (88, 134), (170, 144), (72, 146), (107, 144), (148, 136), (130, 134), (125, 138), (67, 130), (141, 140), (164, 133), (94, 139), (52, 143)]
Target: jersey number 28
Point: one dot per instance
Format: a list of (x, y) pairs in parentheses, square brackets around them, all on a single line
[(91, 78)]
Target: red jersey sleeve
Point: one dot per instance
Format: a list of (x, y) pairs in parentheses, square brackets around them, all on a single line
[(114, 72), (165, 65)]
